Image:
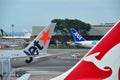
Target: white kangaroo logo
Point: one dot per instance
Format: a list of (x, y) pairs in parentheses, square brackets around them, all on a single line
[(107, 61)]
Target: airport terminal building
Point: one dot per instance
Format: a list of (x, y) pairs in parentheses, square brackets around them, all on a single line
[(96, 32)]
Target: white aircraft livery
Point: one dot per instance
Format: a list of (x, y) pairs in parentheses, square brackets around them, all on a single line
[(27, 35), (35, 52), (101, 62), (79, 40)]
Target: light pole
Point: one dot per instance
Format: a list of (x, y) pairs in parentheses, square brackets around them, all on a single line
[(12, 30)]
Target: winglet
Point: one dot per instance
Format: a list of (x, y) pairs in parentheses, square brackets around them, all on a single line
[(101, 62), (76, 36)]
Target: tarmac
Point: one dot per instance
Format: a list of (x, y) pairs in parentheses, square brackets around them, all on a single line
[(53, 67)]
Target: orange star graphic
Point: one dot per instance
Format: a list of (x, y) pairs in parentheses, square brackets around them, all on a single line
[(45, 37)]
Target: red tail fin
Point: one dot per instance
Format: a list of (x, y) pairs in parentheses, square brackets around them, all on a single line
[(101, 61), (88, 69)]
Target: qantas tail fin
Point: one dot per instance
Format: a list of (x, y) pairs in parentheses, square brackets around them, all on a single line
[(101, 62), (40, 44), (76, 36), (3, 32)]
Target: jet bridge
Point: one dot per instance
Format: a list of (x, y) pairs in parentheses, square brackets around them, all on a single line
[(5, 68)]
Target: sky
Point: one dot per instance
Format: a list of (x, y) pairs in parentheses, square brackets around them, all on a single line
[(27, 13)]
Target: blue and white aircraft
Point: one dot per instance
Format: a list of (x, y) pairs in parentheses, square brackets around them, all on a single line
[(79, 40), (26, 35)]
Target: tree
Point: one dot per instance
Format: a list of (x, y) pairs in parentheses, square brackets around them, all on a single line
[(63, 26)]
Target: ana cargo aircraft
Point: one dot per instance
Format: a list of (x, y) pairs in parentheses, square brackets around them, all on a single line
[(27, 35), (79, 40), (35, 52), (101, 62)]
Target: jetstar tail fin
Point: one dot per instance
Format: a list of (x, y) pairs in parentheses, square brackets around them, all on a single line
[(40, 44), (101, 62)]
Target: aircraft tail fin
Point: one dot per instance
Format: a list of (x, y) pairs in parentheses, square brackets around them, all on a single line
[(26, 33), (40, 44), (76, 36), (101, 62), (3, 32)]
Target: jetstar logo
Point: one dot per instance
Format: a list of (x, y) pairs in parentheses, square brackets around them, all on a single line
[(45, 37), (33, 50)]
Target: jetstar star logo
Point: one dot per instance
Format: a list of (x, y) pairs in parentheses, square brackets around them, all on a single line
[(45, 37)]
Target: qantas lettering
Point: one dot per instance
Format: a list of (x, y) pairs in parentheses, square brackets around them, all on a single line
[(33, 51)]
